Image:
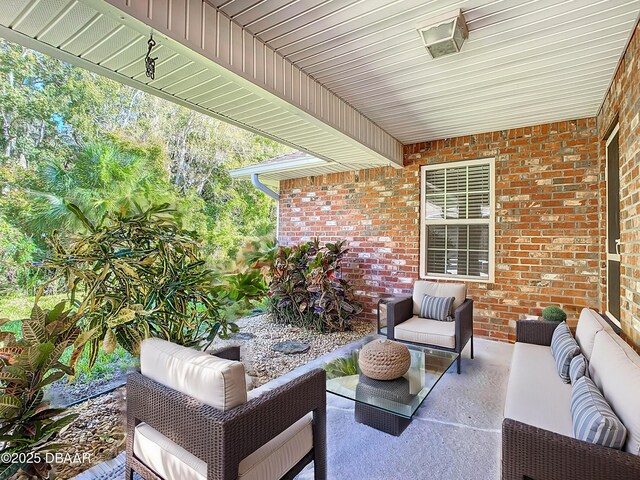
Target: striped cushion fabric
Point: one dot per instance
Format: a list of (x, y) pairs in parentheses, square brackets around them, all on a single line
[(436, 308), (563, 348), (578, 368), (593, 419)]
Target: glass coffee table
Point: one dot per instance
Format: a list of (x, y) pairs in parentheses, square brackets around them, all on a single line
[(387, 405)]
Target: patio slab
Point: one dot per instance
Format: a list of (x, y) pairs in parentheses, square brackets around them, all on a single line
[(455, 435)]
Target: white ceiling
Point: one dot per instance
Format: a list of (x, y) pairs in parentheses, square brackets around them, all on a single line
[(525, 62)]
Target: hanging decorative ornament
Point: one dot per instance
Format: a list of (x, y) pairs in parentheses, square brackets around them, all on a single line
[(149, 61)]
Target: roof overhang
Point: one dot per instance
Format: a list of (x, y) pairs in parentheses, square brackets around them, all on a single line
[(295, 165), (205, 62)]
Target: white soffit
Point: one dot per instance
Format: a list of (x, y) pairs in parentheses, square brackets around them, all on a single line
[(205, 62), (525, 62), (292, 165)]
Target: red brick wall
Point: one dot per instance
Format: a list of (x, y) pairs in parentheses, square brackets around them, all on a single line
[(548, 235), (623, 101)]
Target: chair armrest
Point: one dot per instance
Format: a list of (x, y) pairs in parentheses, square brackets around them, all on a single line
[(531, 452), (398, 310), (463, 316), (537, 332), (223, 439), (228, 353)]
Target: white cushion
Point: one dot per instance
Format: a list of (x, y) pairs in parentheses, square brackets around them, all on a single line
[(536, 395), (428, 332), (214, 381), (422, 288), (269, 462), (615, 369), (589, 323)]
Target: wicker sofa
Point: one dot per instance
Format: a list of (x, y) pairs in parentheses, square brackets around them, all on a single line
[(189, 417), (537, 432)]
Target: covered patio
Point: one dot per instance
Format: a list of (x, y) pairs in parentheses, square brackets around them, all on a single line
[(510, 166)]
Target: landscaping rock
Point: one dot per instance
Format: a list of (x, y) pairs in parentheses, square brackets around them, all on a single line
[(290, 347)]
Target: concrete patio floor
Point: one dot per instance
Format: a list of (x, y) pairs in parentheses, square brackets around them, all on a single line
[(455, 435)]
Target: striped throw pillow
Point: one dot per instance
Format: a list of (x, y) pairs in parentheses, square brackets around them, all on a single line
[(578, 368), (563, 348), (593, 419), (436, 308)]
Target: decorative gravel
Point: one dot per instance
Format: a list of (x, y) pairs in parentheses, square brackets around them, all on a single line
[(99, 431), (98, 434), (263, 364)]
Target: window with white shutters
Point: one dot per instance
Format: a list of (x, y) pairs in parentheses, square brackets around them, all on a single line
[(457, 220)]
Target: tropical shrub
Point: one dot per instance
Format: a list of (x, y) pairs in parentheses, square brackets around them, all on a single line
[(306, 289), (137, 276), (27, 365), (553, 313), (342, 367)]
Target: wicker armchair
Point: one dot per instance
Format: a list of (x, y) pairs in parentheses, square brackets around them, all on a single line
[(274, 435), (452, 336)]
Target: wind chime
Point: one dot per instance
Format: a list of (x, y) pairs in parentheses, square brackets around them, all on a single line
[(149, 61)]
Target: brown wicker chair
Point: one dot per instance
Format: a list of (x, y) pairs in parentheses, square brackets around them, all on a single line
[(533, 453), (222, 439), (458, 333)]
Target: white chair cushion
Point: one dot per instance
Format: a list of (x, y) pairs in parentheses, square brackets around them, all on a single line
[(270, 462), (214, 381), (615, 369), (422, 288), (428, 332), (536, 395), (589, 323)]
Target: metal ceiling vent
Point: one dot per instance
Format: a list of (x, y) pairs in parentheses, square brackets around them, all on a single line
[(445, 35)]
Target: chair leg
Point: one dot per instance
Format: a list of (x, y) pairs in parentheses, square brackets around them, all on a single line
[(459, 360), (471, 346), (128, 473)]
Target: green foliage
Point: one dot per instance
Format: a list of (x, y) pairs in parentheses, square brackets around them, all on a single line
[(71, 137), (342, 367), (138, 276), (27, 366), (16, 250), (306, 289), (553, 313)]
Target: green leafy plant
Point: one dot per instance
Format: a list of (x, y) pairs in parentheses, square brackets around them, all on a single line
[(306, 289), (27, 365), (342, 367), (554, 314), (138, 276)]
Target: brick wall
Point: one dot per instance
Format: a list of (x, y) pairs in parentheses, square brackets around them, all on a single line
[(548, 230), (623, 101)]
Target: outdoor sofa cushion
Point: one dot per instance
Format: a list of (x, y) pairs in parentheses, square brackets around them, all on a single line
[(536, 395), (589, 324), (436, 308), (578, 368), (422, 288), (593, 419), (426, 331), (615, 369), (213, 381), (269, 462), (563, 348)]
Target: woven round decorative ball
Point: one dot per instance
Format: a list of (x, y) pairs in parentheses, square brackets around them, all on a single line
[(384, 360)]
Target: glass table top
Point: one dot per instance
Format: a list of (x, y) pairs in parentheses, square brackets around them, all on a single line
[(402, 396)]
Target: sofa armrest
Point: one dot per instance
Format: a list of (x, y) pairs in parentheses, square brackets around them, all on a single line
[(223, 439), (463, 317), (531, 452), (398, 311), (537, 332), (228, 353)]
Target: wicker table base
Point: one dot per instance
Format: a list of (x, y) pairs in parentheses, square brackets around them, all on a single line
[(380, 420)]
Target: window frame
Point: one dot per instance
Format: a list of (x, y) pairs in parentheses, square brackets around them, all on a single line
[(491, 161)]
